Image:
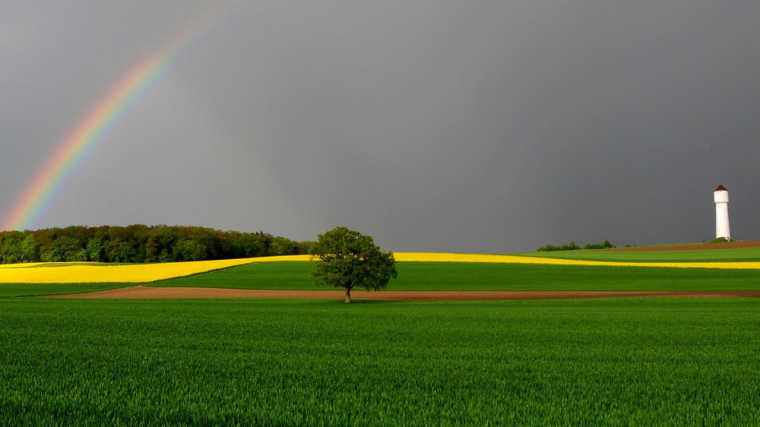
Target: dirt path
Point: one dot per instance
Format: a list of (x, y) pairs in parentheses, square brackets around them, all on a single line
[(149, 292), (693, 247)]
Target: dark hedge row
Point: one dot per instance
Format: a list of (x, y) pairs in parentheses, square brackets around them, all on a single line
[(140, 243), (572, 246)]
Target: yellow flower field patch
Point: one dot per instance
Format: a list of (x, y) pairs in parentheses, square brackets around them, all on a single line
[(128, 273), (513, 259)]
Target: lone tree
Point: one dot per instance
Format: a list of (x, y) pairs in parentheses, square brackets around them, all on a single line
[(349, 259)]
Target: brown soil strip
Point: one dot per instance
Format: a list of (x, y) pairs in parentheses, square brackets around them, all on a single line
[(149, 292), (726, 245)]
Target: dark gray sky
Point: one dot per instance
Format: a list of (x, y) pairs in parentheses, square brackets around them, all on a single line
[(442, 125)]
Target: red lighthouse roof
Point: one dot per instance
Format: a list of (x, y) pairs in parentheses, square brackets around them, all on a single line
[(721, 188)]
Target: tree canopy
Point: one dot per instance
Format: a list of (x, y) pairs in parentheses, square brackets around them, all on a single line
[(349, 259), (140, 243)]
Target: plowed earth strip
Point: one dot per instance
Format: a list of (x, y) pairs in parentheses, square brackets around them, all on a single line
[(150, 292)]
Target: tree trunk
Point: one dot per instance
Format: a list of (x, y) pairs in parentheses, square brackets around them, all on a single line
[(348, 295)]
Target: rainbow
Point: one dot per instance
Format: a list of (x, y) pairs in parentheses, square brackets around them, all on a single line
[(72, 150)]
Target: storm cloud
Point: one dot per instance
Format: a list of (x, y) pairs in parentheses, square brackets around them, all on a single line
[(447, 125)]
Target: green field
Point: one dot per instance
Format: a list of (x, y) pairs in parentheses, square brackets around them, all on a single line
[(697, 255), (449, 277), (471, 276), (633, 361), (203, 362), (25, 290)]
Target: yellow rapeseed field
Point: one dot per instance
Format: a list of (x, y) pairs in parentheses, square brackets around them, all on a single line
[(513, 259), (143, 273), (128, 273)]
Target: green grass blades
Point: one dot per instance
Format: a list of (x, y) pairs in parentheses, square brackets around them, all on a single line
[(276, 275), (25, 290), (636, 361), (471, 276), (697, 255)]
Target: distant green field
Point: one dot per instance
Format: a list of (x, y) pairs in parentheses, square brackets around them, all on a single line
[(24, 289), (591, 362), (472, 276), (697, 255)]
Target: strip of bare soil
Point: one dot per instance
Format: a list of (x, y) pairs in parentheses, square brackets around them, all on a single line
[(694, 247), (146, 292)]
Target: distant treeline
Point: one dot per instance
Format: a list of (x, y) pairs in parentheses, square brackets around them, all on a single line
[(572, 246), (140, 243)]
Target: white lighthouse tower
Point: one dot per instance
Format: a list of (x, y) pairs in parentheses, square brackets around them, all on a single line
[(722, 227)]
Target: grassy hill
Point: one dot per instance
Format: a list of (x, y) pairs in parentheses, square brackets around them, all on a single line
[(205, 362), (697, 255), (481, 276)]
